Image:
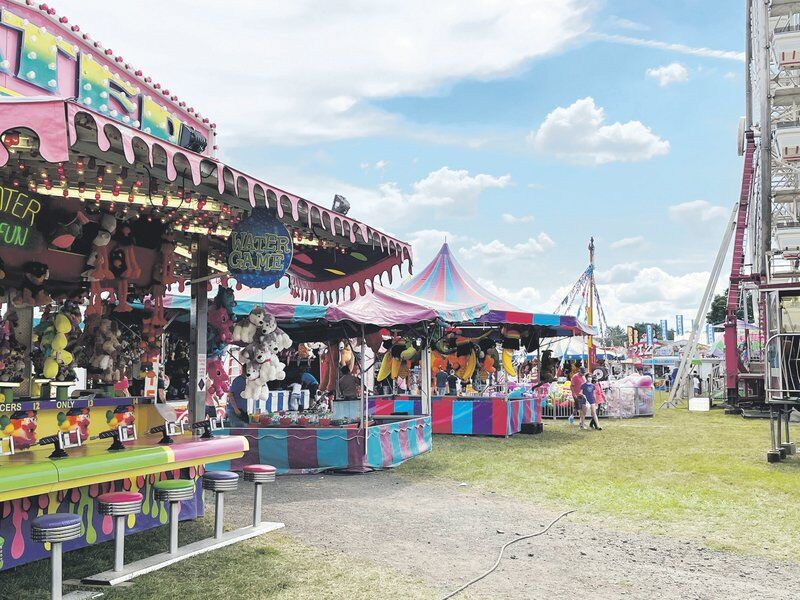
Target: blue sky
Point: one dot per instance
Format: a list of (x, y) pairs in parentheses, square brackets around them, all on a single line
[(611, 118)]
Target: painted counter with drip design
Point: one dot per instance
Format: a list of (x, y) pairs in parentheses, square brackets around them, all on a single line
[(32, 484), (387, 443)]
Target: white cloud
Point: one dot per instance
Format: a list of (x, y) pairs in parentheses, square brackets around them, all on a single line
[(498, 251), (426, 243), (730, 76), (526, 298), (628, 242), (379, 165), (697, 210), (389, 206), (667, 74), (619, 273), (679, 48), (514, 220), (623, 23), (577, 133), (298, 72)]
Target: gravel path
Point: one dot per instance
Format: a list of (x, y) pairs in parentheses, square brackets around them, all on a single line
[(447, 534)]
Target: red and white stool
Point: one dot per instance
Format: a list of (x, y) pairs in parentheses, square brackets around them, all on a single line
[(259, 475), (119, 505)]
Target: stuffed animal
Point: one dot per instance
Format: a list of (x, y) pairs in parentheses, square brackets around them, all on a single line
[(106, 350), (253, 386), (32, 292), (126, 241), (220, 328), (219, 378), (118, 263), (258, 322)]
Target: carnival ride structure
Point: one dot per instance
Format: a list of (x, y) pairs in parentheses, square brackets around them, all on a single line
[(763, 231)]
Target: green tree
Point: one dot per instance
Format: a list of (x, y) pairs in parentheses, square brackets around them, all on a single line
[(719, 307), (615, 336)]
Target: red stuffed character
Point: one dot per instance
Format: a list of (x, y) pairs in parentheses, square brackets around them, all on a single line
[(219, 378)]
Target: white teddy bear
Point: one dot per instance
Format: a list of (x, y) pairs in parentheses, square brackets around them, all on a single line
[(246, 330)]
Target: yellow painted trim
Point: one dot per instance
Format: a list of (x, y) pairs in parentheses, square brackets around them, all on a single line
[(9, 92), (106, 477)]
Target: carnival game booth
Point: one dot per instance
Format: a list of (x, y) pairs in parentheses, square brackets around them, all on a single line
[(110, 193), (508, 406), (376, 439)]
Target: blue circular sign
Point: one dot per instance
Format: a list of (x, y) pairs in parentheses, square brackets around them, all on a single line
[(259, 249)]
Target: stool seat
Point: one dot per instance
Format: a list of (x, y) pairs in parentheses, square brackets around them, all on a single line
[(220, 481), (174, 490), (56, 527), (120, 497), (259, 473), (117, 504)]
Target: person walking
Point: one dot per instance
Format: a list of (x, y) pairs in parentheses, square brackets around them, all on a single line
[(588, 390), (697, 385), (310, 383), (576, 387), (441, 381)]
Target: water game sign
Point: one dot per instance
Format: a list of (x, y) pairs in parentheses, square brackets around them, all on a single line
[(39, 55), (18, 215), (259, 249)]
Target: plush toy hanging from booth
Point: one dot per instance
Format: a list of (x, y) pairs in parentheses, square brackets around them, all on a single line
[(220, 321), (32, 291), (55, 338), (259, 357)]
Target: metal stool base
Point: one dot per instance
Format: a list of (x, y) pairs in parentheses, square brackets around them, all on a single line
[(165, 559)]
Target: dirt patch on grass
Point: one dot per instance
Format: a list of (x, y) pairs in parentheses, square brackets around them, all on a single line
[(447, 534)]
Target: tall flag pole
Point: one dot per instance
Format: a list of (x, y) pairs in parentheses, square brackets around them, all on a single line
[(590, 349)]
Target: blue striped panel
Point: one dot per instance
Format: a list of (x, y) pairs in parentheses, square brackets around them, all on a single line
[(462, 418), (273, 449), (549, 320), (394, 435), (332, 447), (404, 406), (374, 450), (412, 437)]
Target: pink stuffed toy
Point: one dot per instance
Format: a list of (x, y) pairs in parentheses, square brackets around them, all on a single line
[(219, 378), (219, 320)]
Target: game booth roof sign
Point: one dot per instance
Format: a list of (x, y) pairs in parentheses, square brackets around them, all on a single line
[(80, 124)]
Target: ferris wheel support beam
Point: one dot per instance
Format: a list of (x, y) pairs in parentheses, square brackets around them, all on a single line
[(766, 151), (748, 57)]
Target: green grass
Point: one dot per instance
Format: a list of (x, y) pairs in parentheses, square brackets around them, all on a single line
[(271, 566), (696, 476)]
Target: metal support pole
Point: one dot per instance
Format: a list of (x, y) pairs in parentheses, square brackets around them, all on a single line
[(688, 354), (198, 318), (425, 380), (766, 153), (748, 58), (219, 509), (119, 542), (55, 566), (174, 513), (24, 334), (257, 505)]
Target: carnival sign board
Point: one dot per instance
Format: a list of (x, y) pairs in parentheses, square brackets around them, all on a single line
[(41, 54), (259, 249)]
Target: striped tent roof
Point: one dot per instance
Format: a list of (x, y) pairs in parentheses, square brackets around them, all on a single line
[(445, 280)]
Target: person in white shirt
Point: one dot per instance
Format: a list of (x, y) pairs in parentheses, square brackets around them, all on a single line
[(296, 392)]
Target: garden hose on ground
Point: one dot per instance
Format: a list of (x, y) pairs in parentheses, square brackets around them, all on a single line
[(503, 549)]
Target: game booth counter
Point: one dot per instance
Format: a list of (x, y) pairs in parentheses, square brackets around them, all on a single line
[(353, 334), (484, 348), (110, 194)]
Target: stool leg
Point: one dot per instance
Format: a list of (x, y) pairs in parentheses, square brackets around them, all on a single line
[(218, 511), (174, 511), (55, 575), (119, 543), (257, 506)]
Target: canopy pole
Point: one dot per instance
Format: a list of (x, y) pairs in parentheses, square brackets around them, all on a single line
[(198, 319), (364, 394), (425, 377)]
